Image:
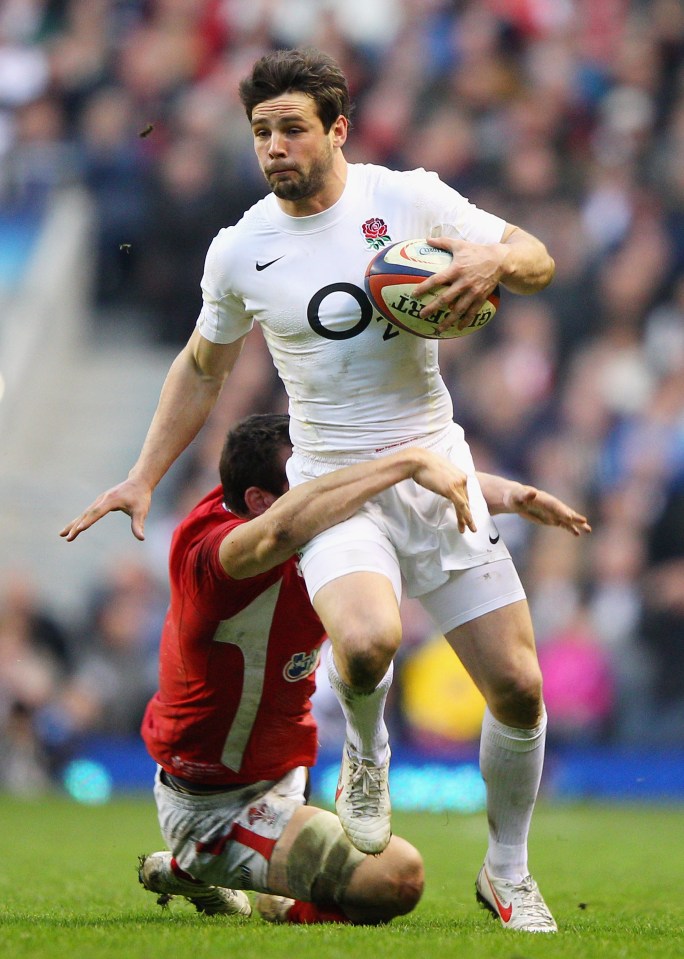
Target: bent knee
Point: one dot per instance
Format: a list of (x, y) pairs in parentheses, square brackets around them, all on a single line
[(517, 700), (363, 657), (385, 886), (408, 883)]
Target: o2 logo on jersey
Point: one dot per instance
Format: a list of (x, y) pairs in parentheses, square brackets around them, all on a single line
[(313, 311), (301, 665), (366, 313)]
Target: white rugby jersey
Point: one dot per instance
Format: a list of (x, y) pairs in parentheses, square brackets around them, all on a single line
[(355, 383)]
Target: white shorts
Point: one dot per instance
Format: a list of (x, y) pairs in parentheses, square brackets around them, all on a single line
[(405, 532), (470, 593), (227, 838)]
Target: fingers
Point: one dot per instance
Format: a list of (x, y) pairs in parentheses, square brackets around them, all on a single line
[(437, 279), (576, 524), (567, 518), (447, 480), (83, 522), (460, 309), (428, 285), (459, 497), (469, 522), (460, 305), (459, 314), (71, 531), (464, 516), (138, 526), (543, 508), (76, 526)]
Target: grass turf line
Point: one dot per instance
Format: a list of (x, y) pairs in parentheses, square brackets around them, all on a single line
[(611, 875)]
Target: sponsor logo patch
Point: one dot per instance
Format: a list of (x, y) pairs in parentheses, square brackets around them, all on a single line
[(301, 665)]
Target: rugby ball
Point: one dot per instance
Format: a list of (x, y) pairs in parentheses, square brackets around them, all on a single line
[(391, 277)]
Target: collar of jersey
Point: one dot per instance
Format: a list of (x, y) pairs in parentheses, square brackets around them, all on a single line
[(317, 221)]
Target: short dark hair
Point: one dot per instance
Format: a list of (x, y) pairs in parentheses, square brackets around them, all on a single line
[(306, 71), (250, 458)]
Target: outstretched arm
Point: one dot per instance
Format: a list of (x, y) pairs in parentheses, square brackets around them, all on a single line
[(508, 496), (311, 507), (189, 394)]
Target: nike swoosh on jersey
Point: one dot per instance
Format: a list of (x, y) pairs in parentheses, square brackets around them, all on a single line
[(262, 266)]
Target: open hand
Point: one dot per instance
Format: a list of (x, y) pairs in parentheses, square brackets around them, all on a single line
[(131, 497), (543, 508), (439, 475)]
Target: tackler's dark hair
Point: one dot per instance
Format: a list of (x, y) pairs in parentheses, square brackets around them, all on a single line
[(250, 457)]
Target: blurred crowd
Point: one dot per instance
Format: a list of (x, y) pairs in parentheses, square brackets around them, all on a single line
[(565, 117)]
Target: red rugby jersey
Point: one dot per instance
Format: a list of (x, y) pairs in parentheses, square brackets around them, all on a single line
[(237, 662)]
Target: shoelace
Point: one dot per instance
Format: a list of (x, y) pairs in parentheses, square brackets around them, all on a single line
[(366, 789), (532, 902)]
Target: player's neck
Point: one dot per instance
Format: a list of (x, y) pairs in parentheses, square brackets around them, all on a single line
[(326, 197)]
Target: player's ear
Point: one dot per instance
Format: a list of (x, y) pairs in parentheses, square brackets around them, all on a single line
[(258, 500), (339, 131)]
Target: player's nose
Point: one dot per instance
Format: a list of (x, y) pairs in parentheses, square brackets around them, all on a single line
[(276, 147)]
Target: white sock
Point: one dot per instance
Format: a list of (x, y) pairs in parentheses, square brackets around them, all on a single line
[(367, 734), (511, 762)]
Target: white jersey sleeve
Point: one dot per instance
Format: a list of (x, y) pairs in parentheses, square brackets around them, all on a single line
[(223, 318), (451, 213)]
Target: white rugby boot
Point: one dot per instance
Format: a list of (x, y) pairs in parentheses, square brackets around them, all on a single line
[(519, 905), (362, 802), (156, 873), (272, 908)]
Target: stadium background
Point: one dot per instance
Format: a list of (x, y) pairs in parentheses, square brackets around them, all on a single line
[(123, 149)]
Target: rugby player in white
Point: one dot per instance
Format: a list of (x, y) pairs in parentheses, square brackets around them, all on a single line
[(357, 389)]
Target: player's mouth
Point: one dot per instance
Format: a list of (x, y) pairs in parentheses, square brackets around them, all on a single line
[(280, 171)]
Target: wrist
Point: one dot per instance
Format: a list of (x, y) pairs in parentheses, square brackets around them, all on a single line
[(413, 460), (137, 476), (510, 500), (507, 262)]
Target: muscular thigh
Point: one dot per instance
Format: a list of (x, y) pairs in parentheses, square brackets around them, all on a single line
[(358, 604), (499, 653), (360, 613), (352, 575), (483, 613), (495, 646)]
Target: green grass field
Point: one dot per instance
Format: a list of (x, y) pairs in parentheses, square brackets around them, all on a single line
[(611, 874)]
